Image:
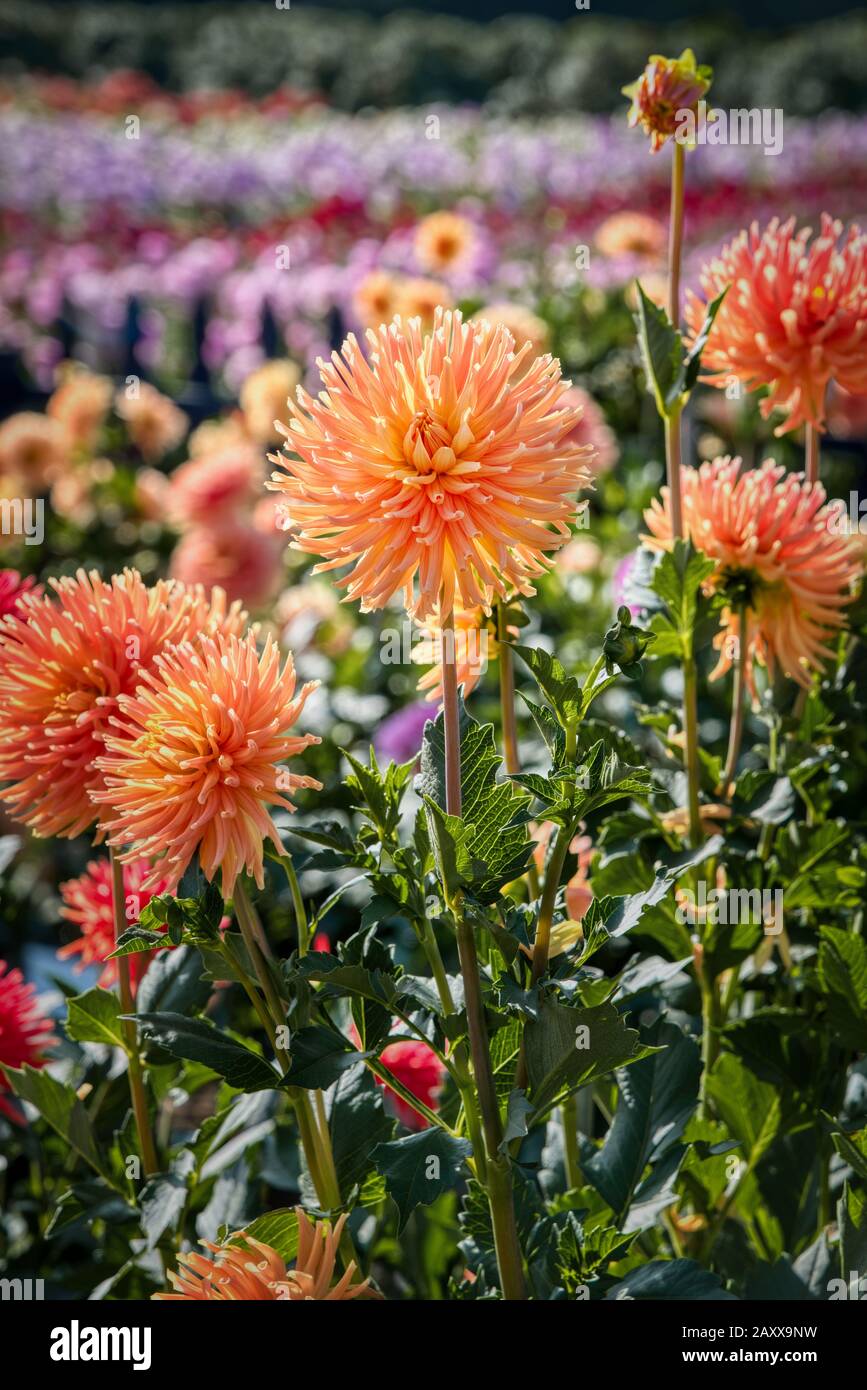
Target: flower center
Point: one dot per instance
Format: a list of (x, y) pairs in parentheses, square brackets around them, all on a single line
[(427, 445)]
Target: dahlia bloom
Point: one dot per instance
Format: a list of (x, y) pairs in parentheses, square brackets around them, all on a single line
[(249, 1270), (523, 324), (65, 658), (25, 1032), (192, 765), (12, 591), (667, 87), (631, 234), (443, 240), (376, 298), (154, 423), (89, 903), (420, 298), (218, 436), (795, 316), (214, 487), (264, 397), (33, 451), (431, 468), (233, 556), (778, 547), (79, 405), (417, 1067)]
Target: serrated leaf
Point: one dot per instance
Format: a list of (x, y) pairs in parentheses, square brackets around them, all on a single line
[(419, 1168), (567, 1047), (193, 1039), (95, 1017), (319, 1057)]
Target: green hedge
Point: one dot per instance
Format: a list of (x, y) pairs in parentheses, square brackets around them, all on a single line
[(523, 65)]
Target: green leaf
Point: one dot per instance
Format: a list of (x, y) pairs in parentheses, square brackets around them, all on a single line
[(842, 973), (95, 1017), (136, 939), (662, 354), (162, 1201), (656, 1097), (358, 1123), (488, 846), (319, 1057), (60, 1107), (174, 984), (563, 692), (419, 1168), (279, 1229), (567, 1047), (677, 579), (692, 364), (194, 1040), (670, 1279), (518, 1111), (852, 1220), (749, 1107)]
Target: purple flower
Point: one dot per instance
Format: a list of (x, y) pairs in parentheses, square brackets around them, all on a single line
[(398, 737)]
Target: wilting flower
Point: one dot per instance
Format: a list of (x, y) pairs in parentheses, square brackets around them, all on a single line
[(667, 88), (431, 468), (631, 234), (25, 1032), (443, 240), (33, 450), (524, 326), (192, 765), (89, 903), (778, 550), (12, 591), (65, 658), (420, 299), (376, 298), (593, 431), (794, 317), (214, 487), (248, 1270), (264, 396), (80, 404), (155, 424), (235, 556)]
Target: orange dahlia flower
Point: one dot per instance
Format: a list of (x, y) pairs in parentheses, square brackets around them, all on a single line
[(443, 240), (779, 549), (419, 298), (252, 1271), (666, 88), (65, 659), (376, 298), (193, 762), (795, 316), (430, 467), (80, 404)]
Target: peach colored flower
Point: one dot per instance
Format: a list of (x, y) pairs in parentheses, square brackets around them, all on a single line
[(667, 87), (215, 487), (443, 240), (593, 430), (192, 765), (581, 556), (154, 423), (778, 548), (248, 1270), (89, 903), (794, 318), (376, 298), (64, 661), (33, 451), (152, 492), (264, 396), (80, 404), (235, 556), (632, 234), (431, 467), (217, 436), (420, 299), (524, 326)]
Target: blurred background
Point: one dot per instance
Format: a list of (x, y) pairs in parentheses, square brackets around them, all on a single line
[(197, 200)]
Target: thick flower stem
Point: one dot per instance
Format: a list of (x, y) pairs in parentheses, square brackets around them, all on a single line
[(711, 1022), (137, 1091), (675, 232), (690, 749), (570, 1141), (673, 460), (498, 1165), (736, 727), (507, 693)]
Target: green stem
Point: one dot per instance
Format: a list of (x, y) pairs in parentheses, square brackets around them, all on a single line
[(498, 1165), (507, 693), (690, 750), (710, 1025), (736, 727), (301, 924), (570, 1141), (137, 1092)]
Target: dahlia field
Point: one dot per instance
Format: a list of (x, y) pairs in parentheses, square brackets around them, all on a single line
[(432, 701)]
